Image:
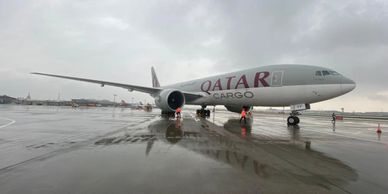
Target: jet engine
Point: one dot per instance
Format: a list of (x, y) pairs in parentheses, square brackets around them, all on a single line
[(169, 100), (237, 109)]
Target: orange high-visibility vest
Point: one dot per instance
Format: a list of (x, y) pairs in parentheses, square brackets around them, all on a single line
[(178, 109), (243, 113)]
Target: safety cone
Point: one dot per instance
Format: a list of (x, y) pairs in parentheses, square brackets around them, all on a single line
[(378, 128)]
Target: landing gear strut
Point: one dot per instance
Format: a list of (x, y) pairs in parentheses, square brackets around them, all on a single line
[(203, 112), (293, 119)]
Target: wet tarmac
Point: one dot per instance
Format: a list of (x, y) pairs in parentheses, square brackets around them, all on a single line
[(107, 150)]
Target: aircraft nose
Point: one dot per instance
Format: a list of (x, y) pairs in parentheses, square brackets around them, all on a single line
[(347, 85)]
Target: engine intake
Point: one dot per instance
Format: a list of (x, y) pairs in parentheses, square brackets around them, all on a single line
[(170, 100)]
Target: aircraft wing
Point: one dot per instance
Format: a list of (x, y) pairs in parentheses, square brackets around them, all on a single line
[(148, 90)]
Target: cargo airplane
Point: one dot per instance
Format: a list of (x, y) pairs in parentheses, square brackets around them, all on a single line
[(283, 85)]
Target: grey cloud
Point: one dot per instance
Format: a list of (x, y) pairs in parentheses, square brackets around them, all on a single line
[(379, 96), (120, 40)]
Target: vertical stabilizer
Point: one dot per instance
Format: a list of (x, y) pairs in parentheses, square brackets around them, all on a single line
[(155, 81)]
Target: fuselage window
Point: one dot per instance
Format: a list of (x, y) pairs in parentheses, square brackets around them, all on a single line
[(325, 73), (318, 73)]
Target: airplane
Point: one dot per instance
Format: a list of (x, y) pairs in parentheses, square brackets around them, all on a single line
[(280, 85)]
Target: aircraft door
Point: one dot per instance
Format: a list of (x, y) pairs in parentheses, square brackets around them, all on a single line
[(277, 79)]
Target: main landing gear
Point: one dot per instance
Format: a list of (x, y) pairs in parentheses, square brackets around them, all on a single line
[(203, 112), (293, 119)]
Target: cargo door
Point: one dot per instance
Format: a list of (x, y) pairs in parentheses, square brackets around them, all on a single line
[(277, 79)]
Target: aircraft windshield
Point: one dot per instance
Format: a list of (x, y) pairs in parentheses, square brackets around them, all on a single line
[(333, 73), (325, 73)]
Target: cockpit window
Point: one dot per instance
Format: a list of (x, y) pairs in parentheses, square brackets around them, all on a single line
[(324, 73), (333, 73)]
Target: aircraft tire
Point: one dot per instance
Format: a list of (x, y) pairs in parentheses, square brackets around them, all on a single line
[(203, 113), (291, 120), (297, 120)]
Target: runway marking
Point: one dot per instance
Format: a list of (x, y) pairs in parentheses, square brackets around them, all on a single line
[(8, 124)]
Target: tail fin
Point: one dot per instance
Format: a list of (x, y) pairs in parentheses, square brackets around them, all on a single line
[(155, 81)]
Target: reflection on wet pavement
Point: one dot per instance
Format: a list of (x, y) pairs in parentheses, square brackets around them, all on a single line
[(122, 151), (268, 159)]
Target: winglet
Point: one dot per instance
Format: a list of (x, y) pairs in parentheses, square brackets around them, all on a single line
[(155, 81)]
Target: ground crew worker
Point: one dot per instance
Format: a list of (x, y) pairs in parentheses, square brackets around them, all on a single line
[(178, 112), (243, 115), (333, 118)]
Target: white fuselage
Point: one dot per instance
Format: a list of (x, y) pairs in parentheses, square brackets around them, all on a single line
[(276, 85)]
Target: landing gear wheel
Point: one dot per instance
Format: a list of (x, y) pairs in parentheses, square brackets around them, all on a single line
[(292, 120), (297, 120), (203, 112)]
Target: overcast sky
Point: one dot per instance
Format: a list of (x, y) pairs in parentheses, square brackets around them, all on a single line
[(120, 40)]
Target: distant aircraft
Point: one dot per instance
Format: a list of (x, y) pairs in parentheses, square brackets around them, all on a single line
[(291, 85)]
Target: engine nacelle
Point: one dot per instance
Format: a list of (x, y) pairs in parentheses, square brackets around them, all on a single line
[(237, 109), (169, 100)]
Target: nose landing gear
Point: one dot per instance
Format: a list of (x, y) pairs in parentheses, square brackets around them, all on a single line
[(293, 119)]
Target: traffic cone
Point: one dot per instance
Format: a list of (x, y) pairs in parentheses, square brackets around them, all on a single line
[(378, 128)]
